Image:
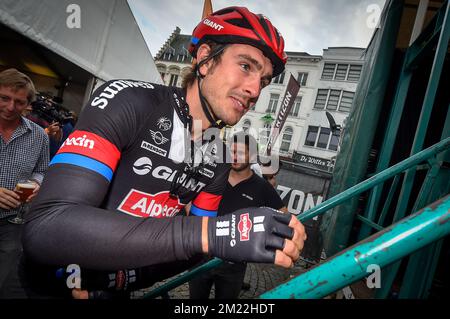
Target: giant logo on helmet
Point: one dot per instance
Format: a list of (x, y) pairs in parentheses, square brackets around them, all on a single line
[(213, 24), (159, 205), (244, 227)]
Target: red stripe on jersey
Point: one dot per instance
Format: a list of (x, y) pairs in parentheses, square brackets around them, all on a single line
[(93, 146), (207, 201)]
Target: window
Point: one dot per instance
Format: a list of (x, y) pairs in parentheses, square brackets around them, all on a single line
[(321, 99), (302, 77), (341, 72), (286, 140), (334, 142), (334, 100), (355, 72), (264, 134), (173, 80), (296, 107), (273, 102), (328, 71), (279, 79), (311, 136), (346, 101), (246, 125), (163, 75), (181, 57), (322, 137), (169, 53)]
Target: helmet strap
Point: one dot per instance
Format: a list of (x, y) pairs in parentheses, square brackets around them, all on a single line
[(207, 110)]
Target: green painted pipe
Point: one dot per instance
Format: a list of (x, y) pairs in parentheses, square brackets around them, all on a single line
[(381, 249), (319, 209)]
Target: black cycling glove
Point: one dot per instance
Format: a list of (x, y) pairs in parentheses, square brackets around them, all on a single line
[(249, 234)]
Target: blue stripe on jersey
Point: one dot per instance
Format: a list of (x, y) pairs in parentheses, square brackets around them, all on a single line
[(83, 161), (202, 212)]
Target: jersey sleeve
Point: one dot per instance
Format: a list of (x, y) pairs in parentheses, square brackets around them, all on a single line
[(66, 224)]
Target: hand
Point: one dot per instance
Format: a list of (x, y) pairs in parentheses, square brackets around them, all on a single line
[(292, 248), (80, 294), (35, 191), (95, 294), (54, 131), (8, 199), (256, 235)]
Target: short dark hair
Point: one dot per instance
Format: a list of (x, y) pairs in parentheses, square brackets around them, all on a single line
[(190, 77), (249, 141)]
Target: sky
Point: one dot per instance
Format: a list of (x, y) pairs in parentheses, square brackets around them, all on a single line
[(306, 25)]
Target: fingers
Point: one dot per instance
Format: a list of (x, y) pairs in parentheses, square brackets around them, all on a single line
[(292, 248), (299, 231), (283, 260), (30, 198), (8, 199), (289, 255), (80, 294), (33, 195), (9, 193)]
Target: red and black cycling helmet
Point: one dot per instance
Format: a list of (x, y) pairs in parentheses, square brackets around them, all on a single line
[(239, 25)]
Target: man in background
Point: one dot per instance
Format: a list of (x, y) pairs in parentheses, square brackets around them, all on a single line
[(244, 189), (24, 154)]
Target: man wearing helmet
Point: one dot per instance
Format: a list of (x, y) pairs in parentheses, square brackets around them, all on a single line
[(114, 194)]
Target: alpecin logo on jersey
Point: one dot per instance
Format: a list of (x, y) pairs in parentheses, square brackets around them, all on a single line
[(159, 205), (77, 140), (244, 227)]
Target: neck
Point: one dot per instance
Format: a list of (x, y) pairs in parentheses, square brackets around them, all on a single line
[(195, 107), (238, 176), (9, 125)]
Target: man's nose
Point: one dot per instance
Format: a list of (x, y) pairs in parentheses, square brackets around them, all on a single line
[(10, 105), (253, 86)]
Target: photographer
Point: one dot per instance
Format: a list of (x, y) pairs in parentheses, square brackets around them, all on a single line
[(56, 121)]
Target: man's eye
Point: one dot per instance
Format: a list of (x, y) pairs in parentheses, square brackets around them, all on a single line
[(21, 103), (4, 98), (245, 66)]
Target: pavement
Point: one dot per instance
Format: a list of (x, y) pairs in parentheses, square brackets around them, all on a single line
[(260, 277)]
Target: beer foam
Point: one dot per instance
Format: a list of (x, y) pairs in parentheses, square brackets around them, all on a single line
[(26, 185)]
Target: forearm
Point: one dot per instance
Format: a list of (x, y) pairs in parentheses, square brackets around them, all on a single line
[(66, 235)]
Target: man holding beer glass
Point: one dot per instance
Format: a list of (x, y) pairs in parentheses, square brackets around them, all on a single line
[(26, 189), (24, 157)]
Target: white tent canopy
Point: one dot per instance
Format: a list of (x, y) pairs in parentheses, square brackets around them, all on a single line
[(108, 43)]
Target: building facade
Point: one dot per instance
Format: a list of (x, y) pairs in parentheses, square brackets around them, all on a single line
[(327, 84)]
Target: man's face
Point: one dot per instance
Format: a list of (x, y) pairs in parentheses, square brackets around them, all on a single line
[(12, 103), (240, 156), (233, 85)]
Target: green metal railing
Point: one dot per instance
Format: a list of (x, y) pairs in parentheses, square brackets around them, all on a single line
[(398, 168), (431, 43), (381, 249)]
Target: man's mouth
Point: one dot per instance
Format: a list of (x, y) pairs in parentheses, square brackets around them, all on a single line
[(240, 105)]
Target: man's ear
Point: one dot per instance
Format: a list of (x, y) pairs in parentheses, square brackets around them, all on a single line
[(203, 52)]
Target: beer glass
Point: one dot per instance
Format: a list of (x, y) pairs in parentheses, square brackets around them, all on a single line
[(24, 188)]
